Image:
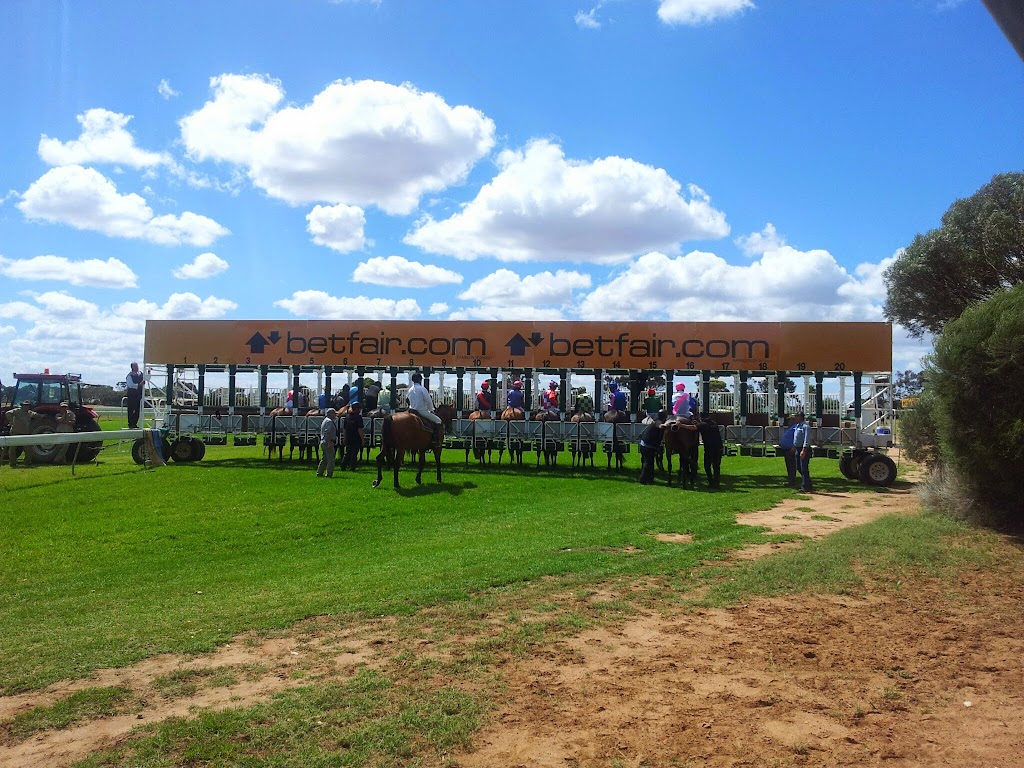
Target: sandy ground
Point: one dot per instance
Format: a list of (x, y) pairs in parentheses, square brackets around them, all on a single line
[(926, 673)]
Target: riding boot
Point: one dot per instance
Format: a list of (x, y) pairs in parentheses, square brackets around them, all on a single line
[(436, 436)]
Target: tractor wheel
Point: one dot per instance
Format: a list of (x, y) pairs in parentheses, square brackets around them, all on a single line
[(878, 470), (139, 451), (46, 453), (181, 450), (86, 451), (198, 449), (849, 465)]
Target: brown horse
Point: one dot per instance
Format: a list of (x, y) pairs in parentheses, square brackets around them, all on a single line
[(617, 448), (515, 447), (584, 450), (402, 432), (548, 447), (481, 446), (683, 439)]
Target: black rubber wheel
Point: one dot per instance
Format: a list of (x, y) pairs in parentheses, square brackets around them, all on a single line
[(139, 451), (849, 465), (86, 451), (198, 449), (46, 453), (181, 450), (877, 470)]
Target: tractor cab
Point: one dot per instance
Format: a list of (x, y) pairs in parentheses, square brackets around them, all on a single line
[(46, 391)]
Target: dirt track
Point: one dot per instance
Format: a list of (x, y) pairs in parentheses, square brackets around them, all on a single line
[(923, 673)]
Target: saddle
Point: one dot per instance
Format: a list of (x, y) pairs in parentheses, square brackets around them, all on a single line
[(425, 424)]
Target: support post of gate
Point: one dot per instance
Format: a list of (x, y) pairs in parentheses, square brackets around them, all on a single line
[(328, 369), (743, 398), (494, 393), (393, 388), (459, 373), (780, 394), (360, 372), (296, 370), (264, 370), (232, 370), (670, 387), (563, 390), (705, 393), (169, 394), (598, 393), (528, 383), (202, 388), (634, 392), (857, 376), (427, 370), (819, 399)]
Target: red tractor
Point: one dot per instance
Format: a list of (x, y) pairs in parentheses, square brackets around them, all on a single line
[(46, 391)]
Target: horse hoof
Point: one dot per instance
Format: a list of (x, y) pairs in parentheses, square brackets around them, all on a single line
[(375, 484)]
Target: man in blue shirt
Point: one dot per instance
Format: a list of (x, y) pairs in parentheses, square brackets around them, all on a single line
[(786, 449), (802, 451)]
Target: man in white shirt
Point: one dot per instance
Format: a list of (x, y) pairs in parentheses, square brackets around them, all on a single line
[(420, 402)]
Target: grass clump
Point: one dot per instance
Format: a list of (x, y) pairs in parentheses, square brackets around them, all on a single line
[(86, 704)]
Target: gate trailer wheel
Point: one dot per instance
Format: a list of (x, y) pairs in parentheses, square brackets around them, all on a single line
[(181, 450), (849, 465), (877, 470)]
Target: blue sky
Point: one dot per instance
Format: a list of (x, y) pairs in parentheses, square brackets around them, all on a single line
[(619, 160)]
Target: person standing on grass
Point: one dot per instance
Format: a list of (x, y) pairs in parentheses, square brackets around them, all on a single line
[(786, 449), (22, 421), (711, 436), (134, 383), (650, 447), (328, 444), (802, 451), (354, 435)]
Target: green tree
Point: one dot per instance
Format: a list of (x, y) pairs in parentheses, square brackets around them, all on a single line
[(978, 250), (908, 383), (977, 388)]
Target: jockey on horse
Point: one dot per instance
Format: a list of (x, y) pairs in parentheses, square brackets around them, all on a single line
[(484, 399), (515, 399), (682, 403), (617, 401), (584, 403), (421, 404), (549, 398)]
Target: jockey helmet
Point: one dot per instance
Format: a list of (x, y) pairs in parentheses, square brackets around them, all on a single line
[(650, 391), (485, 386), (553, 384), (517, 385), (612, 386), (680, 387)]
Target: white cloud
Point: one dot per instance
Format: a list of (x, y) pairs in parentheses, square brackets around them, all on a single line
[(489, 312), (319, 304), (541, 206), (85, 199), (757, 243), (400, 272), (339, 227), (437, 308), (165, 89), (61, 332), (103, 140), (204, 265), (694, 12), (588, 19), (504, 288), (88, 272), (359, 143), (222, 128)]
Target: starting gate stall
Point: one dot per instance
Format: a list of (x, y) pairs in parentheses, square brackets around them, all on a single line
[(767, 362), (525, 436), (556, 434)]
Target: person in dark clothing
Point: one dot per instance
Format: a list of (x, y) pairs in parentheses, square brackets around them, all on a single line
[(134, 385), (370, 396), (354, 435), (711, 436), (650, 447), (341, 399)]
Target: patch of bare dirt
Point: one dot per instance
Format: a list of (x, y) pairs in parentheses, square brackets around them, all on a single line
[(920, 673)]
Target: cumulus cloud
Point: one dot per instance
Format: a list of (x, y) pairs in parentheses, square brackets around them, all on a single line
[(437, 308), (703, 286), (398, 271), (339, 227), (694, 12), (85, 199), (104, 139), (322, 305), (757, 243), (490, 312), (87, 272), (165, 89), (357, 142), (588, 19), (542, 206), (62, 332), (222, 129), (204, 265), (504, 288)]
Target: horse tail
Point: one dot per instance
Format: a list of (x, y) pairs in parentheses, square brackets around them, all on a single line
[(387, 436)]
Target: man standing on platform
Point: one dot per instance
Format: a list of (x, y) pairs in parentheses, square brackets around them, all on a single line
[(134, 385)]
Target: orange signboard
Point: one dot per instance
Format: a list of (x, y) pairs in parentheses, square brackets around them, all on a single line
[(718, 346)]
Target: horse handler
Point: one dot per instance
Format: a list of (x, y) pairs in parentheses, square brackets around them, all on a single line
[(650, 447), (354, 435), (328, 441)]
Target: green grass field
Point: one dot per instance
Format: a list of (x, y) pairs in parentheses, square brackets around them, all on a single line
[(118, 563)]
